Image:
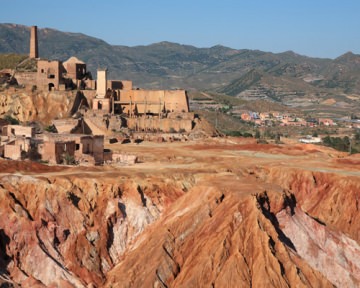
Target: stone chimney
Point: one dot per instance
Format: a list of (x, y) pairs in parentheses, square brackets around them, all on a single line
[(33, 43)]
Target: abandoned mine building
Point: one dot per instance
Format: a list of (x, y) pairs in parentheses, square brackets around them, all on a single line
[(104, 106)]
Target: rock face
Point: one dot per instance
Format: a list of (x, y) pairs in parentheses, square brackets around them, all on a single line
[(182, 219), (40, 106), (69, 229)]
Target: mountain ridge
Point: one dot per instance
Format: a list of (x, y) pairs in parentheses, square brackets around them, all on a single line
[(168, 65)]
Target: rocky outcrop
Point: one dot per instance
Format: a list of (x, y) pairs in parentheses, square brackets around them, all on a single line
[(71, 231), (25, 105)]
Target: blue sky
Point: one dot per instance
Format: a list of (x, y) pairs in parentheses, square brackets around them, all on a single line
[(317, 28)]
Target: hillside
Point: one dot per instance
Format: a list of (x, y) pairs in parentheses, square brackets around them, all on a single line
[(331, 88), (213, 213), (170, 65)]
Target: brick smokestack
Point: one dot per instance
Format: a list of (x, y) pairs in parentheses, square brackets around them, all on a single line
[(33, 43)]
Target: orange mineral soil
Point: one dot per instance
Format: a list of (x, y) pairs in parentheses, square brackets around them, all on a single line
[(221, 212)]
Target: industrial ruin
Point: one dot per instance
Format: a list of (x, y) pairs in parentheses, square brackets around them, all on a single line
[(101, 108)]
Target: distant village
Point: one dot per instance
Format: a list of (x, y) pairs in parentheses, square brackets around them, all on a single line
[(100, 108), (284, 119)]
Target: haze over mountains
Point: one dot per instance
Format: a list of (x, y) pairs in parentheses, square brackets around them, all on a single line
[(171, 65)]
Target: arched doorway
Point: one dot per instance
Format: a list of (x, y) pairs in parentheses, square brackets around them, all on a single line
[(51, 86), (100, 105)]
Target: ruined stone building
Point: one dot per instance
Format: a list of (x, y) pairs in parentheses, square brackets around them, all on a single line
[(143, 110), (56, 148), (15, 141), (19, 142), (49, 75), (115, 103), (54, 75)]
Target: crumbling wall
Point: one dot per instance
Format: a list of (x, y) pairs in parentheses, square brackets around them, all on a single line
[(26, 78), (18, 130), (156, 124), (98, 149), (153, 101)]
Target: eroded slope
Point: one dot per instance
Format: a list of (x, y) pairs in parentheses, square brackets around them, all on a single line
[(209, 214)]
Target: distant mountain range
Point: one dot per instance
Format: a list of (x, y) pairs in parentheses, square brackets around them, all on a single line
[(171, 65)]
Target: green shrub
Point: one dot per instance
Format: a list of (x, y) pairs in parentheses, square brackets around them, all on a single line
[(12, 120), (51, 129), (338, 143), (68, 159)]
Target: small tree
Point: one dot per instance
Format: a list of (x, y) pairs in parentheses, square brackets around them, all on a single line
[(50, 128), (68, 159)]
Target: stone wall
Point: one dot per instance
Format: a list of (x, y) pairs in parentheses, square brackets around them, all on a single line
[(54, 151), (103, 104), (83, 144), (18, 130), (12, 151), (75, 70), (155, 124), (98, 149), (49, 75), (124, 158), (26, 78), (153, 101)]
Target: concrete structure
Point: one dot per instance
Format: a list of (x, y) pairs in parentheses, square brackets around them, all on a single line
[(34, 53)]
